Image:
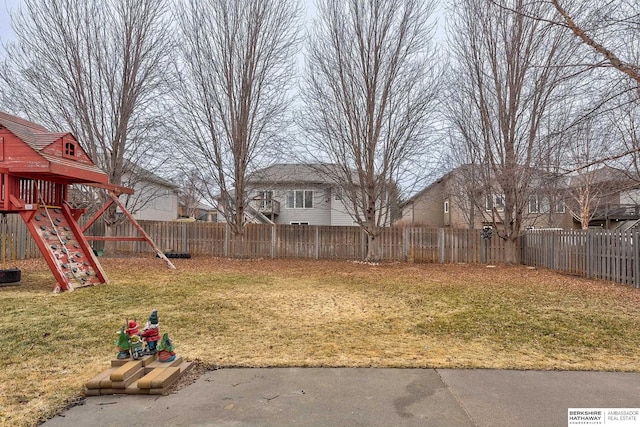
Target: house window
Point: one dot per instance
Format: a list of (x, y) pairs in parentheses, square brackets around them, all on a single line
[(494, 201), (545, 206), (533, 203), (560, 208), (446, 206), (300, 199), (69, 149)]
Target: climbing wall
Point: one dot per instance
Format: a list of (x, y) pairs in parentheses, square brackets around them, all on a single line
[(65, 248)]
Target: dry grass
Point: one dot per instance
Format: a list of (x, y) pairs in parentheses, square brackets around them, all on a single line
[(309, 313)]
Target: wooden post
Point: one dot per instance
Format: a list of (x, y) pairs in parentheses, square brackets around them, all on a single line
[(185, 238), (441, 245), (226, 239), (636, 259), (405, 243), (273, 241)]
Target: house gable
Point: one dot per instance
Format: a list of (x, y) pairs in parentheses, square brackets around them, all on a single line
[(28, 148), (66, 146)]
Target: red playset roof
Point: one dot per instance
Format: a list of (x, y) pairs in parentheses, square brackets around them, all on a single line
[(29, 149)]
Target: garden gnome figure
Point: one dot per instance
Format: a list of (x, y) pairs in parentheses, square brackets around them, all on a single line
[(137, 347), (123, 344), (150, 332), (132, 328), (165, 349)]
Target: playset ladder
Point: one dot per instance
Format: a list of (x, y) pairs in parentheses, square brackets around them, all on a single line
[(64, 247)]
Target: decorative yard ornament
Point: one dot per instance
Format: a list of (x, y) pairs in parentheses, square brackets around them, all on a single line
[(132, 328), (487, 232), (123, 344), (166, 349), (151, 333), (137, 347)]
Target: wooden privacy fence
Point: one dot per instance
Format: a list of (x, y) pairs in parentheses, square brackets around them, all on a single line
[(18, 243), (598, 254), (415, 244), (321, 242)]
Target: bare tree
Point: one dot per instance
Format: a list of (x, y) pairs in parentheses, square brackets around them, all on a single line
[(97, 69), (370, 92), (611, 29), (192, 189), (236, 65), (586, 188), (510, 87)]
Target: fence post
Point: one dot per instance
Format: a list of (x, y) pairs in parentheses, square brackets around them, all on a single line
[(185, 237), (226, 239), (636, 259), (317, 242), (273, 241), (405, 243), (441, 245), (587, 254)]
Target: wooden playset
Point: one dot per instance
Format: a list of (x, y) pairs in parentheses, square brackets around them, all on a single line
[(36, 169)]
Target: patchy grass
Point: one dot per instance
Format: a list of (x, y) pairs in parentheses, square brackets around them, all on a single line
[(309, 313)]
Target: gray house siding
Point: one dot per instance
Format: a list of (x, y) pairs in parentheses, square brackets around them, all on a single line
[(319, 214)]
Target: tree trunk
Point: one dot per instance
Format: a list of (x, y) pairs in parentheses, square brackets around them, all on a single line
[(512, 250), (373, 248), (237, 242)]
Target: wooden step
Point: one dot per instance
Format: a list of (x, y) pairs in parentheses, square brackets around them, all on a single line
[(158, 364), (125, 371), (130, 380), (144, 359), (94, 383)]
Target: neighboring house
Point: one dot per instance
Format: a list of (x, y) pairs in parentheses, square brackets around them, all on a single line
[(296, 194), (605, 198), (156, 199), (453, 201), (201, 212)]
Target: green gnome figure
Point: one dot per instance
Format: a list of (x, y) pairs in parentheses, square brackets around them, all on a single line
[(123, 344), (137, 347), (165, 349)]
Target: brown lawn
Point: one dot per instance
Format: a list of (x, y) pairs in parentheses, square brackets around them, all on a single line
[(223, 313)]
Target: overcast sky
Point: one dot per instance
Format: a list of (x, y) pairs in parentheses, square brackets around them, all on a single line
[(5, 21)]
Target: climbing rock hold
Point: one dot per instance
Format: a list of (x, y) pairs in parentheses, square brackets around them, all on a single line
[(43, 227)]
